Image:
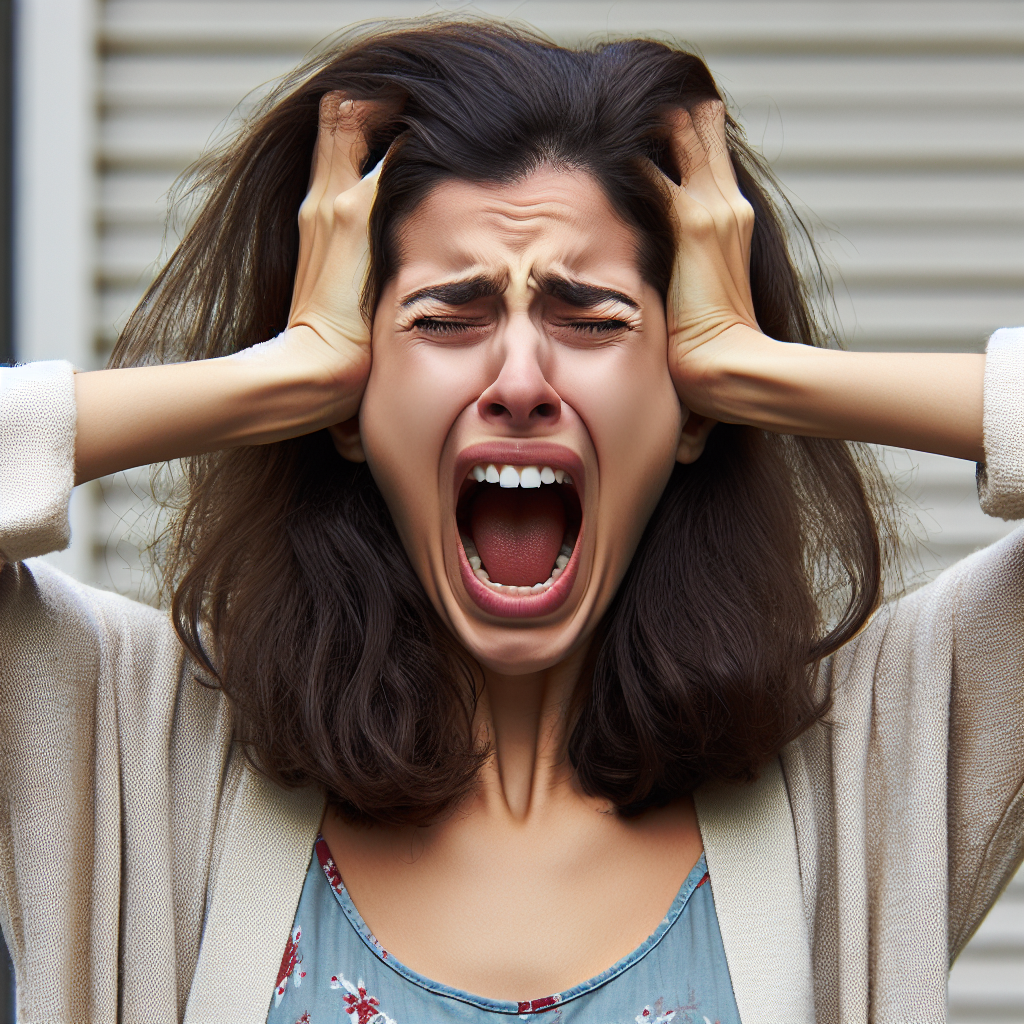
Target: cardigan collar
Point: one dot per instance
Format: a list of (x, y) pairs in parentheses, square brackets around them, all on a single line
[(760, 913), (271, 834)]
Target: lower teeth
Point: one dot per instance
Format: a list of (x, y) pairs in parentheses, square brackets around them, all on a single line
[(476, 564)]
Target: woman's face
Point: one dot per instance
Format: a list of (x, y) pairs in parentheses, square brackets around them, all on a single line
[(519, 415)]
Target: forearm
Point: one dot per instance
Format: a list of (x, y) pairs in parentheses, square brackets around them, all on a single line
[(924, 401), (130, 417)]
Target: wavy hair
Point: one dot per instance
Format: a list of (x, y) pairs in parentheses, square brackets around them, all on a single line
[(290, 585)]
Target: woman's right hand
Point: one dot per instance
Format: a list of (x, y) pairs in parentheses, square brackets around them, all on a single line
[(325, 320), (312, 377)]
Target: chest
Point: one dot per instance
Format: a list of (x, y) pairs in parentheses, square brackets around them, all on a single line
[(503, 911), (334, 964)]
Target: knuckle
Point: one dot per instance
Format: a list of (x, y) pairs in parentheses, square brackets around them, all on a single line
[(700, 219), (344, 206)]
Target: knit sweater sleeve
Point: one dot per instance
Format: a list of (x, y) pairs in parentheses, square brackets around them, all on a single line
[(908, 800), (1001, 475), (985, 788), (113, 758), (37, 458)]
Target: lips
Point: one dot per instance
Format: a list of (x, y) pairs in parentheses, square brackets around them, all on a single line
[(519, 514)]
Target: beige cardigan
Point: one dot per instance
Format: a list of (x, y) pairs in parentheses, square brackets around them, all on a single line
[(148, 876)]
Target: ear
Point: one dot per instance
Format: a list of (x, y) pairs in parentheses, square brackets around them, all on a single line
[(693, 437), (347, 440)]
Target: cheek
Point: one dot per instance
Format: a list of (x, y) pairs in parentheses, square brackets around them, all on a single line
[(629, 405), (413, 396)]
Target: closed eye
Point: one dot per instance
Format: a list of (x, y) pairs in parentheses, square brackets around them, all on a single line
[(598, 326), (444, 328)]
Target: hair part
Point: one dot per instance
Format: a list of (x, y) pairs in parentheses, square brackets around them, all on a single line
[(290, 584)]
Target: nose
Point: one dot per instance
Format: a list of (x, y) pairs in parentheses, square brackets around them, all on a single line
[(521, 397)]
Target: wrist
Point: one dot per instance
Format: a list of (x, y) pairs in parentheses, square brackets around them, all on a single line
[(737, 377), (294, 384)]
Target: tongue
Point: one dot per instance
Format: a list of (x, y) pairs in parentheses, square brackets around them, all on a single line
[(518, 533)]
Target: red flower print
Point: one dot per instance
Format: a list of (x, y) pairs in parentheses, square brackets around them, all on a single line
[(304, 1019), (289, 962), (323, 854), (365, 1007)]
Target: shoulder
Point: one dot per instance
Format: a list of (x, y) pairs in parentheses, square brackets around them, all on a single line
[(981, 591), (34, 589), (55, 625)]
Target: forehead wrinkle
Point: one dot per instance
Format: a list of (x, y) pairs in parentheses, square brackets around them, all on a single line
[(516, 229)]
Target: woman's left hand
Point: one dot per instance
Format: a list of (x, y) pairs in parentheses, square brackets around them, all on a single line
[(709, 294), (724, 368)]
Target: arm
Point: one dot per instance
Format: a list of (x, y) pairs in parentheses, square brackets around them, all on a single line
[(726, 369), (926, 401), (311, 377), (134, 416)]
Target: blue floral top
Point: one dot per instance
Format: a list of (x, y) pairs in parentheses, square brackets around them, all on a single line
[(334, 971)]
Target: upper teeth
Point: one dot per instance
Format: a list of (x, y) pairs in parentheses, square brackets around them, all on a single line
[(511, 476)]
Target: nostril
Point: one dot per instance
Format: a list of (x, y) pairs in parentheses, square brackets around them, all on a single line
[(497, 409), (544, 410)]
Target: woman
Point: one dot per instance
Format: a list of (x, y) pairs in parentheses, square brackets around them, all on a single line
[(541, 676)]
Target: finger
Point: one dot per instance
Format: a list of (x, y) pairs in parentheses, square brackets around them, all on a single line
[(342, 138), (338, 154), (691, 157), (700, 148), (708, 120), (709, 123), (695, 157)]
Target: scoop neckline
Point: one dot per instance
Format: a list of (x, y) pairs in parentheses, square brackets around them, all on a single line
[(697, 877)]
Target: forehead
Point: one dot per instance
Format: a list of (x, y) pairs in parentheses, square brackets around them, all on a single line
[(551, 218)]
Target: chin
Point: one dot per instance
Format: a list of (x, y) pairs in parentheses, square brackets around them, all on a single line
[(515, 649)]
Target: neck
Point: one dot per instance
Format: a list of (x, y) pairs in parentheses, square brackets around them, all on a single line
[(524, 719)]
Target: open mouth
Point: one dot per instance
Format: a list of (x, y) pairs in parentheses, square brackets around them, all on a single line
[(519, 526)]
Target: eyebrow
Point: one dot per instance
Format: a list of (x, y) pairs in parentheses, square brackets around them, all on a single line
[(583, 296), (460, 293), (482, 286)]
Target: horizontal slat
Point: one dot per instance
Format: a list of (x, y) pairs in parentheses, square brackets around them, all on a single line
[(169, 142), (995, 982), (135, 197), (927, 197), (926, 319), (113, 307), (1001, 932), (901, 256), (216, 80), (838, 139), (785, 26), (801, 141), (987, 981), (888, 79), (128, 256), (222, 79)]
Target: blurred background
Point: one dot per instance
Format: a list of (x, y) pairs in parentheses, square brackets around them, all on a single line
[(898, 128)]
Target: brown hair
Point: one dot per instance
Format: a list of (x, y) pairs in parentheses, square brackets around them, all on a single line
[(290, 584)]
